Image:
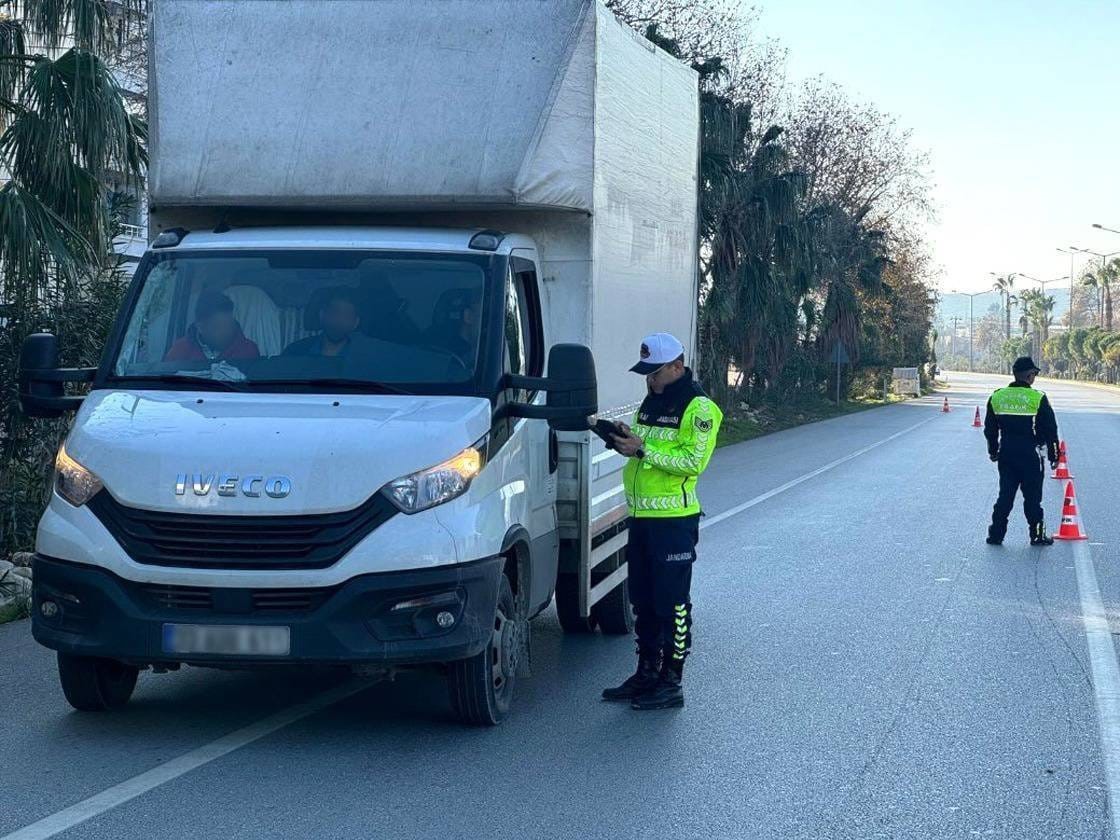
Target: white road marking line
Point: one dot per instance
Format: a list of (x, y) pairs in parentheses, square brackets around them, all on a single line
[(1106, 674), (129, 789), (769, 494)]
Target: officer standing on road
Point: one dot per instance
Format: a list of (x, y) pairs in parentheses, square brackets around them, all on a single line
[(1018, 423), (669, 446)]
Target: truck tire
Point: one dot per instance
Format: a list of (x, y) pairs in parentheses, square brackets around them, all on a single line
[(567, 605), (481, 687), (95, 685), (613, 613)]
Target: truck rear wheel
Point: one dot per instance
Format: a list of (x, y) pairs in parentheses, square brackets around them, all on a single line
[(612, 612), (567, 605), (92, 684), (482, 687)]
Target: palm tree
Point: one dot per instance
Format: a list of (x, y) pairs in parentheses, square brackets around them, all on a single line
[(1043, 318), (1101, 279), (64, 128), (850, 260), (1004, 285), (755, 269), (1037, 312), (1107, 274)]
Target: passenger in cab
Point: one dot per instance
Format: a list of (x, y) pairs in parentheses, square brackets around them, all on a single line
[(214, 335), (338, 329)]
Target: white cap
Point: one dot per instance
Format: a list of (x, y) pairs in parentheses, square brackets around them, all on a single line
[(657, 351)]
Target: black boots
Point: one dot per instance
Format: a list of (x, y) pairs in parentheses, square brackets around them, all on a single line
[(1039, 535), (640, 681), (649, 688), (667, 692)]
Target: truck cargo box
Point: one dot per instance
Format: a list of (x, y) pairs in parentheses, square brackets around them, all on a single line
[(546, 118)]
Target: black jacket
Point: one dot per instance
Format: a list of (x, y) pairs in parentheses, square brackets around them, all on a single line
[(1007, 432)]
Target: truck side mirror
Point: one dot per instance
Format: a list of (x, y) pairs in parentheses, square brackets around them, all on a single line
[(571, 387), (573, 390), (41, 390)]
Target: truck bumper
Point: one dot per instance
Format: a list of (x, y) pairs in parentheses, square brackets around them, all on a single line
[(388, 618)]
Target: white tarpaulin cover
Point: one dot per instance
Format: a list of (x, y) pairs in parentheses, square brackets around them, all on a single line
[(392, 103), (461, 113)]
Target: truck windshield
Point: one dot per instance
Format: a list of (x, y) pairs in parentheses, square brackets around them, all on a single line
[(306, 320)]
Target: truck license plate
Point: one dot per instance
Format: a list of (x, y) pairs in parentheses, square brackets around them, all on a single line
[(234, 640)]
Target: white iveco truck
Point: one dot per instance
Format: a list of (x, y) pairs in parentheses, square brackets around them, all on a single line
[(343, 416)]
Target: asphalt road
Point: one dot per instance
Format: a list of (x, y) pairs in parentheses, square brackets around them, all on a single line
[(864, 667)]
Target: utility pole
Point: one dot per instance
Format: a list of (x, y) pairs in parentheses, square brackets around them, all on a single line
[(953, 337), (1071, 276), (971, 298)]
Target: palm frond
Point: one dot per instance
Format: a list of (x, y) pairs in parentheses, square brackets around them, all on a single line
[(35, 240), (13, 47), (87, 22)]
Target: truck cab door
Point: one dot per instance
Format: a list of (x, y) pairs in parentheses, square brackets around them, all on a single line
[(531, 444)]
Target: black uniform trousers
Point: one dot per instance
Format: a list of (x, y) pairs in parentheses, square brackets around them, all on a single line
[(1020, 469), (660, 554)]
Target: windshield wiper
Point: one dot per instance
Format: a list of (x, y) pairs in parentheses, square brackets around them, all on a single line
[(203, 383), (370, 385)]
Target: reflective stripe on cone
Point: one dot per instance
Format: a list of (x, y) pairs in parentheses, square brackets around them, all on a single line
[(1061, 471)]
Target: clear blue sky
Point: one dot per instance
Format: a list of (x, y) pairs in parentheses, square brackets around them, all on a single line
[(1018, 103)]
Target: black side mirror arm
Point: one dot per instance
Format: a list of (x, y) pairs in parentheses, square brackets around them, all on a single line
[(42, 405)]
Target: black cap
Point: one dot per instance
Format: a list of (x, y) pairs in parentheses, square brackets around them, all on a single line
[(1024, 364), (210, 302)]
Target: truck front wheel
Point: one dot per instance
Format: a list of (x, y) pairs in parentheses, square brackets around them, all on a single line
[(482, 687), (92, 684)]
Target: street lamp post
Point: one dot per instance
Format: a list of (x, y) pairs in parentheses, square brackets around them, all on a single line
[(1102, 227), (1072, 274), (953, 337), (971, 297)]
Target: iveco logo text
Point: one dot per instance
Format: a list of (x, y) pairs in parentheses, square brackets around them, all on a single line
[(275, 487)]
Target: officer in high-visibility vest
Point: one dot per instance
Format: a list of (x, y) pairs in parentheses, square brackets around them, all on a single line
[(669, 445), (1019, 422)]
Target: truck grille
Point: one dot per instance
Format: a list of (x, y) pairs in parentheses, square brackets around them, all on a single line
[(285, 600), (235, 601), (207, 541), (181, 597)]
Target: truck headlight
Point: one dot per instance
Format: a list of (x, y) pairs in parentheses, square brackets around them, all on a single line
[(436, 485), (72, 481)]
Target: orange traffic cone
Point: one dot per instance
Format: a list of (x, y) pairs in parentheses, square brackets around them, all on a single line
[(945, 406), (1062, 470), (1071, 524), (976, 424)]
